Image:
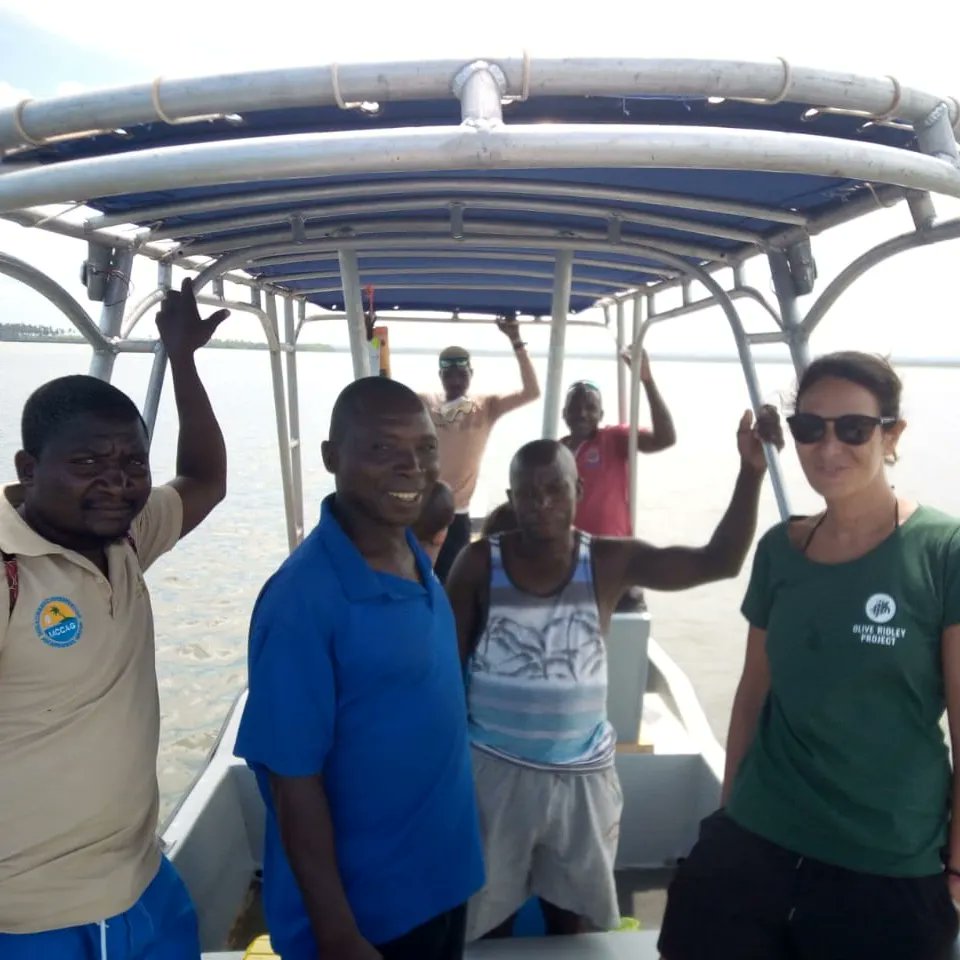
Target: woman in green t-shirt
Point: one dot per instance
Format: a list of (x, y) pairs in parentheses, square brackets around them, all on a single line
[(835, 838)]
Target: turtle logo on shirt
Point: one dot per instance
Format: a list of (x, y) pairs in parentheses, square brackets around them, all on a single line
[(58, 622), (881, 608)]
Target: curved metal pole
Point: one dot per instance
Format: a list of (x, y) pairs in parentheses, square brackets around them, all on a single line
[(37, 280), (948, 230), (138, 312), (749, 371), (508, 147)]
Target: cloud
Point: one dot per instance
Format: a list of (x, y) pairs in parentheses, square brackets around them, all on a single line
[(11, 95)]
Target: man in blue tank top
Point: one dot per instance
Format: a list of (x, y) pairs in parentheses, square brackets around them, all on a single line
[(532, 607)]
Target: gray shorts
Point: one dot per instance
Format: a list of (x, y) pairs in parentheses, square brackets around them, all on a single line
[(548, 834)]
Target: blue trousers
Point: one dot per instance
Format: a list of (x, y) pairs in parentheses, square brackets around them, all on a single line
[(161, 925)]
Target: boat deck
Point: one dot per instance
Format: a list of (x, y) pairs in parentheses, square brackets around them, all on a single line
[(642, 895), (593, 946)]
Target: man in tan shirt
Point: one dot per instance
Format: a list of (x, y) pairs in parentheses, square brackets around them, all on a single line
[(463, 424), (81, 872)]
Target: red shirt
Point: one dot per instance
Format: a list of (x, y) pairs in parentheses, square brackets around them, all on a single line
[(604, 509)]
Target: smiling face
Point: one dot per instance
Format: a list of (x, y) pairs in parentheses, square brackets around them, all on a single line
[(88, 482), (583, 411), (838, 470), (385, 463)]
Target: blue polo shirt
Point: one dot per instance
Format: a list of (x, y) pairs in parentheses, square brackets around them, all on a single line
[(355, 675)]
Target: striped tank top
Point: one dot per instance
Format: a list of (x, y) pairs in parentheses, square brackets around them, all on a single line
[(537, 680)]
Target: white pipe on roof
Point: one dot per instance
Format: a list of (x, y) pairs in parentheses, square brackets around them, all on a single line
[(359, 229), (538, 146), (396, 256), (32, 121), (202, 228), (490, 186)]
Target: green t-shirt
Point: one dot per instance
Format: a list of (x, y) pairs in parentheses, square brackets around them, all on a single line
[(849, 764)]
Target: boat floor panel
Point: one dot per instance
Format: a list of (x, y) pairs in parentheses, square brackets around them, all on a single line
[(641, 893)]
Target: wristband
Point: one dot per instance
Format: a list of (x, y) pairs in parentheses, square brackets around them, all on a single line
[(519, 344)]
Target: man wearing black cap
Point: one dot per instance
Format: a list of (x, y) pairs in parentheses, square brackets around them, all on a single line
[(463, 424)]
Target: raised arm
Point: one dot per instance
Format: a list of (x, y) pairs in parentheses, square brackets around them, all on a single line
[(530, 387), (306, 830), (747, 704), (201, 477), (634, 563), (468, 589), (662, 433)]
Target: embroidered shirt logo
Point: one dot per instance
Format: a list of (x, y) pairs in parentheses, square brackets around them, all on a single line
[(881, 608), (58, 622)]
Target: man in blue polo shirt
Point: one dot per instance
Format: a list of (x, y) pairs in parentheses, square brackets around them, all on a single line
[(355, 722)]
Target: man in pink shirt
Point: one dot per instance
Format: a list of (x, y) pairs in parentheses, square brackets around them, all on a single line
[(601, 454), (463, 424)]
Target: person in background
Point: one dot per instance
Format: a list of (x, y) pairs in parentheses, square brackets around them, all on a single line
[(435, 518), (532, 607), (463, 424), (839, 834), (602, 455), (355, 721), (500, 520), (82, 874)]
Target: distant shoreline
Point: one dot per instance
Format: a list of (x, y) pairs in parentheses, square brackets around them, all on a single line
[(664, 357)]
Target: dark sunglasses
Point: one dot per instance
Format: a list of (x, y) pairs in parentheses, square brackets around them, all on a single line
[(854, 429), (454, 362)]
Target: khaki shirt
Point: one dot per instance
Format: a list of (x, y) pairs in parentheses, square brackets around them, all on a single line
[(79, 724), (463, 428)]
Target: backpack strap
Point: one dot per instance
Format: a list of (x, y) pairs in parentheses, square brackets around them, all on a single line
[(12, 573)]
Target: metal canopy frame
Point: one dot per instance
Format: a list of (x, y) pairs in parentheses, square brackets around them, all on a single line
[(469, 217)]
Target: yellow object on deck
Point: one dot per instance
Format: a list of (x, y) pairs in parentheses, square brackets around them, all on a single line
[(260, 949)]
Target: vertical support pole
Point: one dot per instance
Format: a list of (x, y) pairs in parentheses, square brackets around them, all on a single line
[(562, 281), (621, 366), (283, 431), (480, 87), (636, 351), (353, 307), (293, 404), (786, 291), (935, 135), (637, 322), (158, 369), (111, 313)]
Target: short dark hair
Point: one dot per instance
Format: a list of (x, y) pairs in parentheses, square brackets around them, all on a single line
[(50, 407), (541, 453), (357, 398), (870, 371)]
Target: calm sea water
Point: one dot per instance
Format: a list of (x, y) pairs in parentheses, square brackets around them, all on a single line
[(204, 590)]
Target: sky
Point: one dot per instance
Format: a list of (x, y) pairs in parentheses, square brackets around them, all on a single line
[(906, 307)]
